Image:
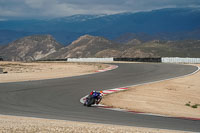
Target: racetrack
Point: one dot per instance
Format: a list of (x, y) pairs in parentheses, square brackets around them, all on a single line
[(59, 98)]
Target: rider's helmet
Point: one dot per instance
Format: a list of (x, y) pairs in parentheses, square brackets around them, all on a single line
[(92, 92), (101, 92)]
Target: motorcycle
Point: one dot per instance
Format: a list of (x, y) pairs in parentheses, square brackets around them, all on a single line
[(91, 100)]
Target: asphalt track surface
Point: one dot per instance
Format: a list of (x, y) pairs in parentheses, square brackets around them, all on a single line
[(59, 98)]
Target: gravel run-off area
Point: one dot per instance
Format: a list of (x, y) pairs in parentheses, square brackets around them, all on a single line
[(14, 124), (21, 71)]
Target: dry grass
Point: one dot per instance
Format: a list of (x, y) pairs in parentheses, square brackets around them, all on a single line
[(165, 98)]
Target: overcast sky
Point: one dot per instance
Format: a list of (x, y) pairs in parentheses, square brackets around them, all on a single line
[(60, 8)]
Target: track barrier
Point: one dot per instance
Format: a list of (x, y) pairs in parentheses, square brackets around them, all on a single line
[(54, 59), (1, 70), (181, 60), (90, 59), (138, 59), (155, 60)]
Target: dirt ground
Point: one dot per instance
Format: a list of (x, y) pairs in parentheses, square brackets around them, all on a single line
[(19, 71), (177, 97), (13, 124)]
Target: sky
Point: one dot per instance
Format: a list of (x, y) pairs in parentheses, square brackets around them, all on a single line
[(59, 8)]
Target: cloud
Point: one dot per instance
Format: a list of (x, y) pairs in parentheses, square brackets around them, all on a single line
[(58, 8), (35, 3)]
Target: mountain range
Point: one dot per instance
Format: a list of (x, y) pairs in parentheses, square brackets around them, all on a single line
[(164, 24), (43, 47)]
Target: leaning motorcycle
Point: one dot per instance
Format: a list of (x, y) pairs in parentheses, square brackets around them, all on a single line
[(90, 100)]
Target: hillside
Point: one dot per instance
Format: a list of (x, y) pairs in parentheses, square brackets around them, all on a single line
[(45, 47), (157, 48), (86, 46), (30, 48), (93, 46)]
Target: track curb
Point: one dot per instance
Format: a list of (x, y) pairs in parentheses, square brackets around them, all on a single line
[(111, 67)]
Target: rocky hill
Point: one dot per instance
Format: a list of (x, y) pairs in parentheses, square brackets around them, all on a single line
[(45, 47), (157, 48), (93, 46), (87, 46), (30, 48)]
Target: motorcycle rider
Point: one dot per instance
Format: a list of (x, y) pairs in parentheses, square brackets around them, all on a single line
[(97, 95)]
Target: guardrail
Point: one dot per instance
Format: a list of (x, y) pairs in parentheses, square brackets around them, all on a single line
[(157, 60), (54, 59), (138, 59), (90, 59), (180, 60), (1, 70)]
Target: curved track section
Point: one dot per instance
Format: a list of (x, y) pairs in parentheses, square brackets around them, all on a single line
[(59, 98)]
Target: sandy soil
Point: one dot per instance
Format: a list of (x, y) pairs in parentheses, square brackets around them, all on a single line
[(18, 71), (165, 98), (13, 124)]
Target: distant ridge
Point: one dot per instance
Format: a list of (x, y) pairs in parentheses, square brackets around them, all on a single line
[(164, 24)]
